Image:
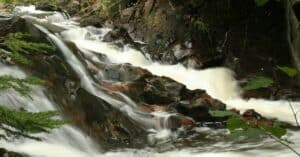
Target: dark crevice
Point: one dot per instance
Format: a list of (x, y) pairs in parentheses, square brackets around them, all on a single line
[(296, 9)]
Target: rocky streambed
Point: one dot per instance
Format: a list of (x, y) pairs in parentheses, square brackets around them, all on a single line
[(121, 100)]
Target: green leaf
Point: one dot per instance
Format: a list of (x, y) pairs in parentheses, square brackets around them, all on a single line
[(258, 82), (275, 129), (261, 3), (236, 123), (291, 72), (219, 113), (247, 133)]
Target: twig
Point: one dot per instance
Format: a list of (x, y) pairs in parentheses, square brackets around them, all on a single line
[(18, 133), (294, 113), (280, 141), (152, 7), (284, 144), (225, 40)]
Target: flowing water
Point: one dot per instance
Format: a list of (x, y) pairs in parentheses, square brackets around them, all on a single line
[(69, 141)]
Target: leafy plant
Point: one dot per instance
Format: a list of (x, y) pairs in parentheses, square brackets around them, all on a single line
[(21, 44), (24, 43), (291, 72), (22, 86), (258, 82), (201, 25), (23, 123), (240, 127)]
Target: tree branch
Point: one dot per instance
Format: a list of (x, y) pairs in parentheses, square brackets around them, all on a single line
[(294, 113), (19, 133)]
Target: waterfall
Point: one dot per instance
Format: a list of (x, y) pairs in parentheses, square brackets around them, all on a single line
[(69, 141), (66, 141)]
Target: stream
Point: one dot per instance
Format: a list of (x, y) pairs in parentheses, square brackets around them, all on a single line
[(70, 141)]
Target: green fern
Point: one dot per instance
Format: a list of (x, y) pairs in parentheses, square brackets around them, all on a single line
[(23, 123), (20, 45), (24, 43), (22, 86)]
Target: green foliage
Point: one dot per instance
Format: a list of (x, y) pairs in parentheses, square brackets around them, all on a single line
[(17, 47), (245, 133), (276, 129), (24, 43), (22, 86), (201, 25), (21, 44), (109, 7), (218, 113), (291, 72), (261, 3), (258, 82), (239, 127), (22, 123)]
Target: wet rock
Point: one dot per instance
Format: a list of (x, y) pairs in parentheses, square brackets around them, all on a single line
[(152, 108), (119, 34), (108, 125), (105, 124), (123, 72), (91, 21), (161, 90), (199, 106), (48, 7), (6, 153), (13, 24), (159, 93), (72, 7), (256, 119)]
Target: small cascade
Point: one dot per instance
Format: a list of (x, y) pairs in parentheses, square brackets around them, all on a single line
[(218, 82), (66, 141), (127, 106)]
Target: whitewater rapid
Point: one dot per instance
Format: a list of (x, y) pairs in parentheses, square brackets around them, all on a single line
[(218, 82), (68, 141)]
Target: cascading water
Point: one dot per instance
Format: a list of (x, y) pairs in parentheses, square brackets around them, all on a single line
[(68, 141)]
